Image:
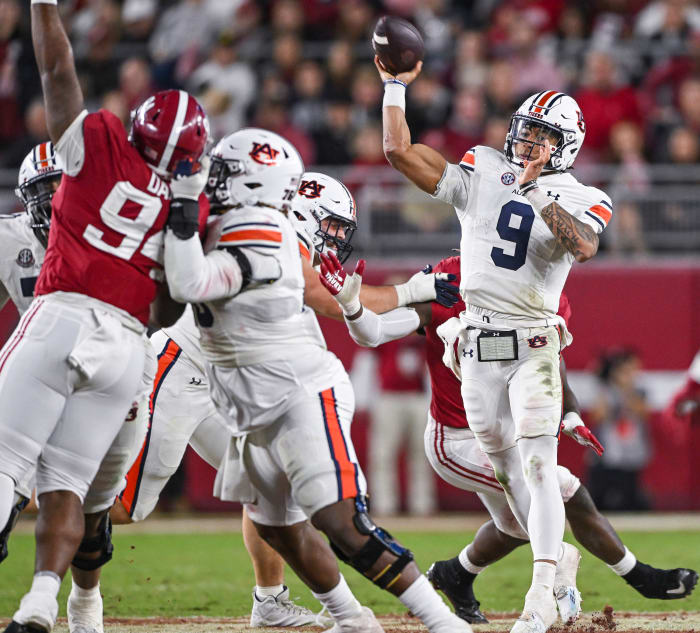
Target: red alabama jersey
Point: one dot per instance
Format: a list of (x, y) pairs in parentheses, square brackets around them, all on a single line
[(106, 238), (446, 406), (402, 365)]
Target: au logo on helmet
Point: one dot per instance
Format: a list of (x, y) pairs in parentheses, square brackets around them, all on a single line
[(264, 154), (310, 189)]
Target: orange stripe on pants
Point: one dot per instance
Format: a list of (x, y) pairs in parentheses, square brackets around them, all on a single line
[(345, 470), (129, 495)]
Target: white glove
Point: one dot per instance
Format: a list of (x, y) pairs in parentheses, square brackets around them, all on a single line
[(191, 187), (428, 286)]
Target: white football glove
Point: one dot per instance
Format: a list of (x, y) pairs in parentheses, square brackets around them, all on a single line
[(191, 187), (428, 286)]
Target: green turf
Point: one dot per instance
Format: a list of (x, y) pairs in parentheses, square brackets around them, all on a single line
[(210, 574)]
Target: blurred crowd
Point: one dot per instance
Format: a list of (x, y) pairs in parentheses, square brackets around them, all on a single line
[(304, 69)]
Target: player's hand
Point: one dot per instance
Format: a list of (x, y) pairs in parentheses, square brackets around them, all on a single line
[(344, 288), (533, 169), (428, 286), (573, 426), (405, 78), (190, 187)]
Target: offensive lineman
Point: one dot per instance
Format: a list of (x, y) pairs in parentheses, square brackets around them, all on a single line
[(453, 452), (80, 346), (287, 400), (518, 244)]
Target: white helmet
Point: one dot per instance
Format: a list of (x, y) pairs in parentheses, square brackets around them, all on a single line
[(556, 115), (325, 214), (39, 177), (253, 166)]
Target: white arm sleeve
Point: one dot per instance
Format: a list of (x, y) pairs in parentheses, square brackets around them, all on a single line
[(194, 277), (372, 329), (71, 146)]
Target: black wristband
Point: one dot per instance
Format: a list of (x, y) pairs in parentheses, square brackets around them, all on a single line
[(527, 186), (183, 218)]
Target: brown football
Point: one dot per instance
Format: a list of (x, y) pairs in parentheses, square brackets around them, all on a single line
[(398, 44)]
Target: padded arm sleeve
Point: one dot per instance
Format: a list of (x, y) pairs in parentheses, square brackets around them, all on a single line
[(194, 277), (372, 330)]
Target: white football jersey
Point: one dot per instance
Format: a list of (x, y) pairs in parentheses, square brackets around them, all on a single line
[(186, 334), (264, 323), (512, 267), (21, 257)]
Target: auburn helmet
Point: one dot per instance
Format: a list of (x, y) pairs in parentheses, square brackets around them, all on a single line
[(253, 166), (39, 177), (324, 214), (171, 131), (549, 115)]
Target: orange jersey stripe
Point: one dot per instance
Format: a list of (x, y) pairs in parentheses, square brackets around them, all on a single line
[(468, 158), (602, 212), (133, 478), (344, 467), (304, 251), (252, 234)]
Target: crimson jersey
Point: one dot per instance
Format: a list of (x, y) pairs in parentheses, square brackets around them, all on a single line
[(106, 238), (446, 406), (402, 365)]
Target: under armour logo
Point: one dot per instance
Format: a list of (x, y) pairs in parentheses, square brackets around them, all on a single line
[(469, 352), (196, 381), (556, 196)]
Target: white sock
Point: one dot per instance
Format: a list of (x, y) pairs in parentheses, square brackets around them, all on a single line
[(545, 523), (273, 590), (424, 602), (46, 582), (626, 564), (7, 499), (543, 575), (85, 594), (467, 564), (340, 601)]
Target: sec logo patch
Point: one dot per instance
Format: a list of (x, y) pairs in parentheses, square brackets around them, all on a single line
[(25, 258), (508, 178)]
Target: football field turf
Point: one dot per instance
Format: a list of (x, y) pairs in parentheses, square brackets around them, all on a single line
[(209, 574)]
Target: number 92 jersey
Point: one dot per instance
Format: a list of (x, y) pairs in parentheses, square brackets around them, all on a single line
[(106, 237), (512, 266)]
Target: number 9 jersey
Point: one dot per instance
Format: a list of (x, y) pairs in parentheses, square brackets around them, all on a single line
[(512, 267), (106, 237)]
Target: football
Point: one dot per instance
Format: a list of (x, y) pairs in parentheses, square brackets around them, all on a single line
[(398, 44)]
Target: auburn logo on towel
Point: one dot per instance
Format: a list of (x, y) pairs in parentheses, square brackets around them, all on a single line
[(537, 341)]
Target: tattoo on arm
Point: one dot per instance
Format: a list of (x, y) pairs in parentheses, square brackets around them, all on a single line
[(570, 232)]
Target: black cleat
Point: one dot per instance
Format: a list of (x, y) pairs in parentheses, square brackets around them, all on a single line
[(16, 627), (456, 583), (662, 584), (9, 526)]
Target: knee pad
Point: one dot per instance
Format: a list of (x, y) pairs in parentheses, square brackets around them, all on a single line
[(380, 541), (101, 542)]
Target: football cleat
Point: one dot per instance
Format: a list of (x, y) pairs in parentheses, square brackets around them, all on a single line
[(85, 614), (9, 526), (456, 583), (567, 596), (662, 584), (16, 627), (365, 622), (279, 610), (539, 612)]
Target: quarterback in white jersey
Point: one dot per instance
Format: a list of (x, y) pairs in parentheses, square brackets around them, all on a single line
[(286, 399), (524, 222)]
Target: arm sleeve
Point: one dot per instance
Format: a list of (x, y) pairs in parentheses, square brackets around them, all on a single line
[(194, 277), (71, 146), (455, 182), (372, 329)]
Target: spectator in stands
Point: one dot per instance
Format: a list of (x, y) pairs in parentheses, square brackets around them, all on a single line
[(620, 418), (286, 56), (10, 117), (683, 147), (626, 235), (355, 21), (667, 25), (495, 131), (501, 98), (334, 139), (605, 98), (115, 101), (225, 85), (139, 19), (36, 132), (339, 69), (627, 150), (570, 43), (470, 66), (135, 81), (366, 96), (272, 115), (428, 104), (287, 16), (307, 105)]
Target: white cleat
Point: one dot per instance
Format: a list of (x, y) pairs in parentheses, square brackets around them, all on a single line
[(85, 613), (539, 613), (37, 609), (568, 597), (279, 610), (363, 623), (454, 625)]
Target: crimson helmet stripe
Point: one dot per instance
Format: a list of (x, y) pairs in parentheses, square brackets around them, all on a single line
[(175, 130)]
